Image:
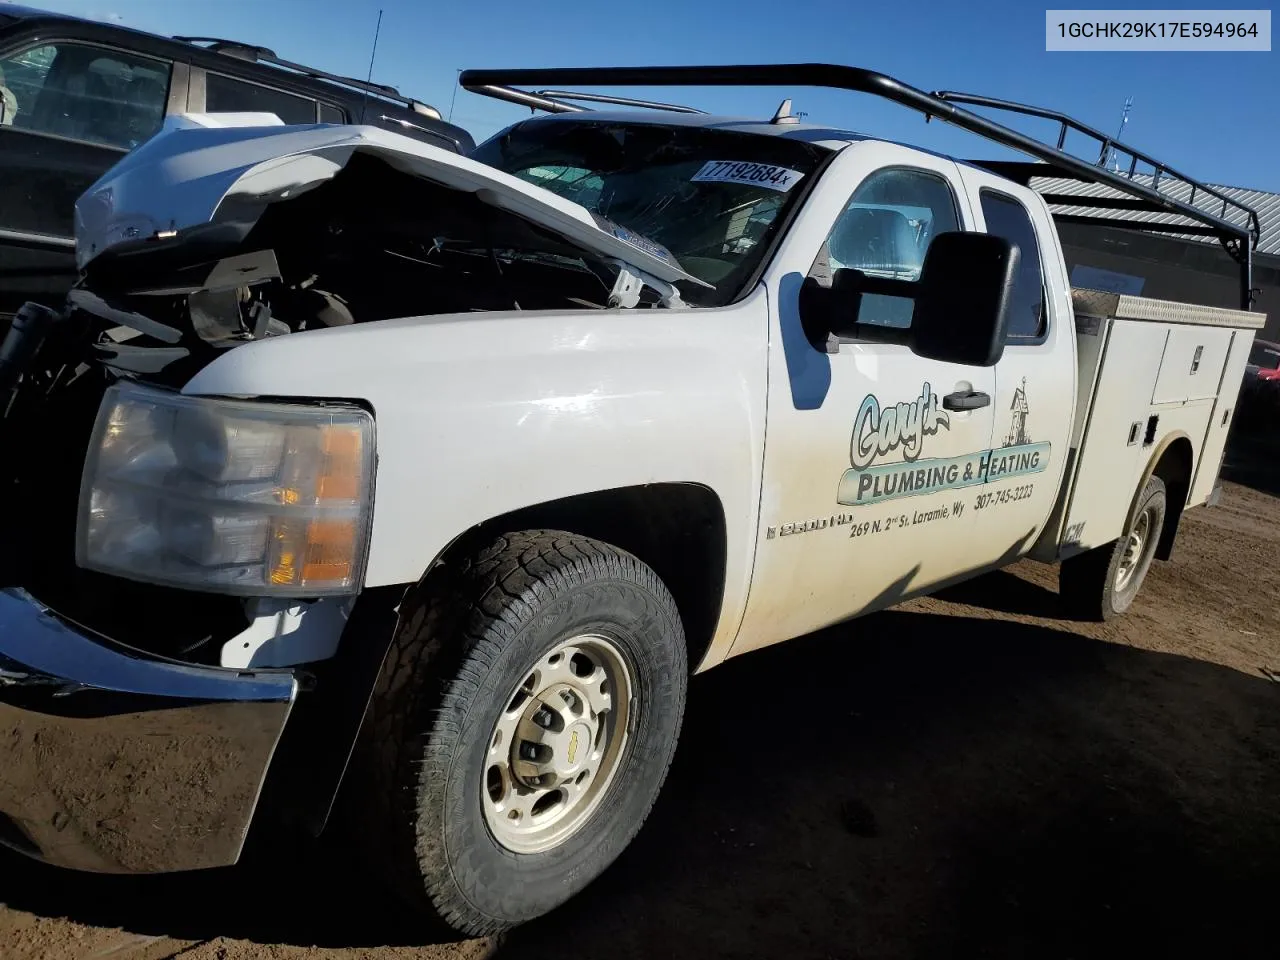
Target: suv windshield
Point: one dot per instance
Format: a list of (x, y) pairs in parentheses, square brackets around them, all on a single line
[(715, 199)]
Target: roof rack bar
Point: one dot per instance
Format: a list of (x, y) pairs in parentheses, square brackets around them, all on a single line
[(1097, 203), (1024, 172), (1106, 142), (233, 44), (619, 101), (1190, 230), (523, 98)]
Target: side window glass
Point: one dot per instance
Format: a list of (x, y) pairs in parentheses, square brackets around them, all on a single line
[(227, 95), (884, 232), (85, 93), (331, 114), (1008, 218)]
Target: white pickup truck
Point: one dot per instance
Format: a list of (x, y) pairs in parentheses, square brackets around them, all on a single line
[(353, 462)]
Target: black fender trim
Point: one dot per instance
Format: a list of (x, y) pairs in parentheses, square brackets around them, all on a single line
[(318, 742)]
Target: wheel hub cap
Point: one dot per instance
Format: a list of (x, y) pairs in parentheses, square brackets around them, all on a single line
[(557, 744), (555, 737), (1134, 549)]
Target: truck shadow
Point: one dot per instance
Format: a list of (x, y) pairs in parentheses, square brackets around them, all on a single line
[(1008, 593), (923, 786), (907, 785)]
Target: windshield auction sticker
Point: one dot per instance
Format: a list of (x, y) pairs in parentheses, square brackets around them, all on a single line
[(750, 174)]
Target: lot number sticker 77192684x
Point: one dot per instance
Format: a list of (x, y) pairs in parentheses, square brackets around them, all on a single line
[(752, 174)]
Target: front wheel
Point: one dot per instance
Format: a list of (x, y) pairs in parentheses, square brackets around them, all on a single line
[(523, 726), (1102, 583)]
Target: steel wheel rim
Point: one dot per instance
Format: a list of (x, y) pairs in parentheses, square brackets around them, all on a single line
[(557, 744), (1135, 548)]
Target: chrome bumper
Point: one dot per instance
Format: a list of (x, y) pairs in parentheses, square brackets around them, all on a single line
[(114, 762)]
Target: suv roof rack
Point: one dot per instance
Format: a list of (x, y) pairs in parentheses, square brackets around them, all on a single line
[(257, 54), (1238, 239)]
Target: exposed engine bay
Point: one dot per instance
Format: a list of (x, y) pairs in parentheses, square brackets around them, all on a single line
[(371, 244), (343, 253)]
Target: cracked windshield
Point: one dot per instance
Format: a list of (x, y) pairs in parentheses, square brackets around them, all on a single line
[(716, 200)]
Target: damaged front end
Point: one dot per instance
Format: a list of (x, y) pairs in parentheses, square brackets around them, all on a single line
[(261, 231), (208, 237), (174, 570)]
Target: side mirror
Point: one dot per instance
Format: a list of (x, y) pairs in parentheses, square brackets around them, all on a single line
[(958, 310), (962, 299)]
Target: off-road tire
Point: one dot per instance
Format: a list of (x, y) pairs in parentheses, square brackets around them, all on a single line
[(1087, 582), (465, 639)]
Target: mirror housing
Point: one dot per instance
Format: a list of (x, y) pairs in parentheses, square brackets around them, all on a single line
[(962, 299), (960, 311)]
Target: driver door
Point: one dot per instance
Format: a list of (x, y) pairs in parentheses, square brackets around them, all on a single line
[(870, 462)]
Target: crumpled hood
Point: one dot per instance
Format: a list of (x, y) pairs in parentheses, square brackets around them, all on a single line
[(209, 169)]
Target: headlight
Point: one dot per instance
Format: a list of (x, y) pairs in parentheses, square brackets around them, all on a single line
[(227, 496)]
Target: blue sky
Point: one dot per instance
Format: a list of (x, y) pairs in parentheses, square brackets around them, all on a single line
[(1215, 116)]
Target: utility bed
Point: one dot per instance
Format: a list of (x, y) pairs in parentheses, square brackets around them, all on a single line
[(1147, 369)]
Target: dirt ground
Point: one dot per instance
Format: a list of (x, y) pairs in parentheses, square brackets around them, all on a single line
[(963, 776)]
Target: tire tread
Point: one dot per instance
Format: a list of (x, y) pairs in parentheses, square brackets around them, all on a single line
[(428, 683)]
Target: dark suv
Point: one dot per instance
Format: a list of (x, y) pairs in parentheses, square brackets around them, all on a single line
[(76, 95)]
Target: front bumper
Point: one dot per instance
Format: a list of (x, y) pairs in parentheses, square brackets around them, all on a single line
[(116, 762)]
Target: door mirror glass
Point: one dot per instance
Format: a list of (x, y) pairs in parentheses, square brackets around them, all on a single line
[(963, 297)]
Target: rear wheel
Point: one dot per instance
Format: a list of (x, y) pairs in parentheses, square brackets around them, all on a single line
[(522, 727), (1102, 583)]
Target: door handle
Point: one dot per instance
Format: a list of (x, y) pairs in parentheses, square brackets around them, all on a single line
[(966, 400)]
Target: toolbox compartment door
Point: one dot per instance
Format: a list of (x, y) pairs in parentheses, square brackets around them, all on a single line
[(1209, 464), (1192, 364)]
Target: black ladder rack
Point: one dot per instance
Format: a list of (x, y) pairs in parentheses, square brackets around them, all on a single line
[(1239, 239)]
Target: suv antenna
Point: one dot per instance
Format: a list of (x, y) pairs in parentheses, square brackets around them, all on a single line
[(372, 53)]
